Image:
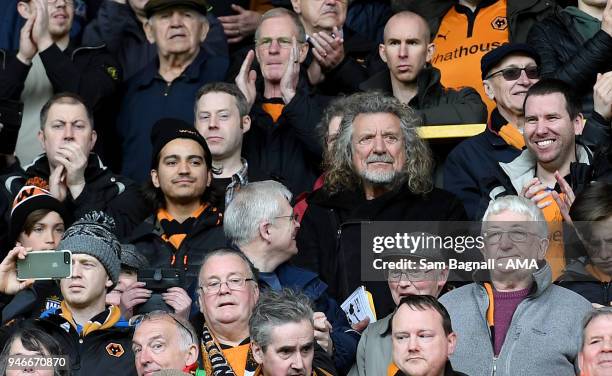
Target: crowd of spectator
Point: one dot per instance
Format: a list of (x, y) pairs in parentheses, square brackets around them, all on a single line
[(215, 169)]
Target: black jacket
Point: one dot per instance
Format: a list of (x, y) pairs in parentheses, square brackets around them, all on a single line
[(289, 149), (329, 240), (88, 71), (206, 235), (435, 103), (117, 196), (522, 14), (102, 352), (567, 56)]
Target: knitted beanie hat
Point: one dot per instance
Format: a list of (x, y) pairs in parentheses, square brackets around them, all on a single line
[(168, 129), (28, 199), (93, 235)]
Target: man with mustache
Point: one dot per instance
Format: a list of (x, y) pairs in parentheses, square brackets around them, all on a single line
[(185, 225), (379, 169), (47, 63), (512, 319)]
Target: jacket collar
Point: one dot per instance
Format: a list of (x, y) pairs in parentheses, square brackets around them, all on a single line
[(151, 71), (426, 79), (523, 168), (542, 279)]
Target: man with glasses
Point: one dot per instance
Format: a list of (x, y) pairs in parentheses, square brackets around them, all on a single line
[(227, 293), (163, 341), (507, 73), (282, 141), (48, 62), (261, 223), (512, 320), (375, 346)]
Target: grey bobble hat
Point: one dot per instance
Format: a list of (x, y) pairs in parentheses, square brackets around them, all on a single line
[(93, 235)]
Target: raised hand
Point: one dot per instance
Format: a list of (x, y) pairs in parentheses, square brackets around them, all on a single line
[(74, 160), (290, 78), (133, 295), (328, 50), (536, 191), (40, 31), (57, 183), (9, 284), (322, 332), (238, 26), (178, 299), (602, 95), (566, 200), (27, 47), (245, 80)]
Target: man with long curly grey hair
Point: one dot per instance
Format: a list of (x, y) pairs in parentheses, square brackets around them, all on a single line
[(379, 169)]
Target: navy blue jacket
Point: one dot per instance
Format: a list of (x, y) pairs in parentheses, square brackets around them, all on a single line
[(474, 160), (149, 98), (344, 338)]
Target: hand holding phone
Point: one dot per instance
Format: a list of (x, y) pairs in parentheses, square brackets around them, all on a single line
[(9, 284), (44, 265)]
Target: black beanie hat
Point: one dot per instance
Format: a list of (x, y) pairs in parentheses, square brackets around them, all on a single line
[(28, 199), (169, 129)]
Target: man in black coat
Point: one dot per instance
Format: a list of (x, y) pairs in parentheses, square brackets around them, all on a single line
[(71, 172), (575, 45), (407, 50), (380, 170), (186, 225)]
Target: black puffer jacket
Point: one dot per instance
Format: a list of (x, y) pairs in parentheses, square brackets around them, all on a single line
[(435, 103), (567, 56)]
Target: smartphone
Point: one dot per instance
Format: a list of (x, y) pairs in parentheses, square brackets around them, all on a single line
[(40, 265)]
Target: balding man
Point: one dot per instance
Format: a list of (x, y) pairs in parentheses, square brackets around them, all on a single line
[(407, 51)]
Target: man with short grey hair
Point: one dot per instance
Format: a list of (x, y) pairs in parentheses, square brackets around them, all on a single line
[(166, 87), (261, 223), (284, 111), (282, 340), (595, 354), (164, 341), (379, 169), (513, 308)]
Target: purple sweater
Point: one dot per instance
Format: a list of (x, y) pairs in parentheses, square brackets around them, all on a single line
[(505, 304)]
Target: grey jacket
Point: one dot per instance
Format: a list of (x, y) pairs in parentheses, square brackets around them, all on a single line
[(374, 352), (543, 338)]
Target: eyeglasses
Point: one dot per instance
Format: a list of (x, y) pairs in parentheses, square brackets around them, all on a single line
[(416, 275), (293, 216), (494, 237), (138, 319), (284, 42), (235, 283), (68, 2), (513, 73)]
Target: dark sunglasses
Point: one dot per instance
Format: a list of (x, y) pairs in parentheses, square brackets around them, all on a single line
[(513, 73)]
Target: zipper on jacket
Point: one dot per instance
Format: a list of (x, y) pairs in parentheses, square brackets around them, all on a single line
[(494, 366), (606, 293)]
